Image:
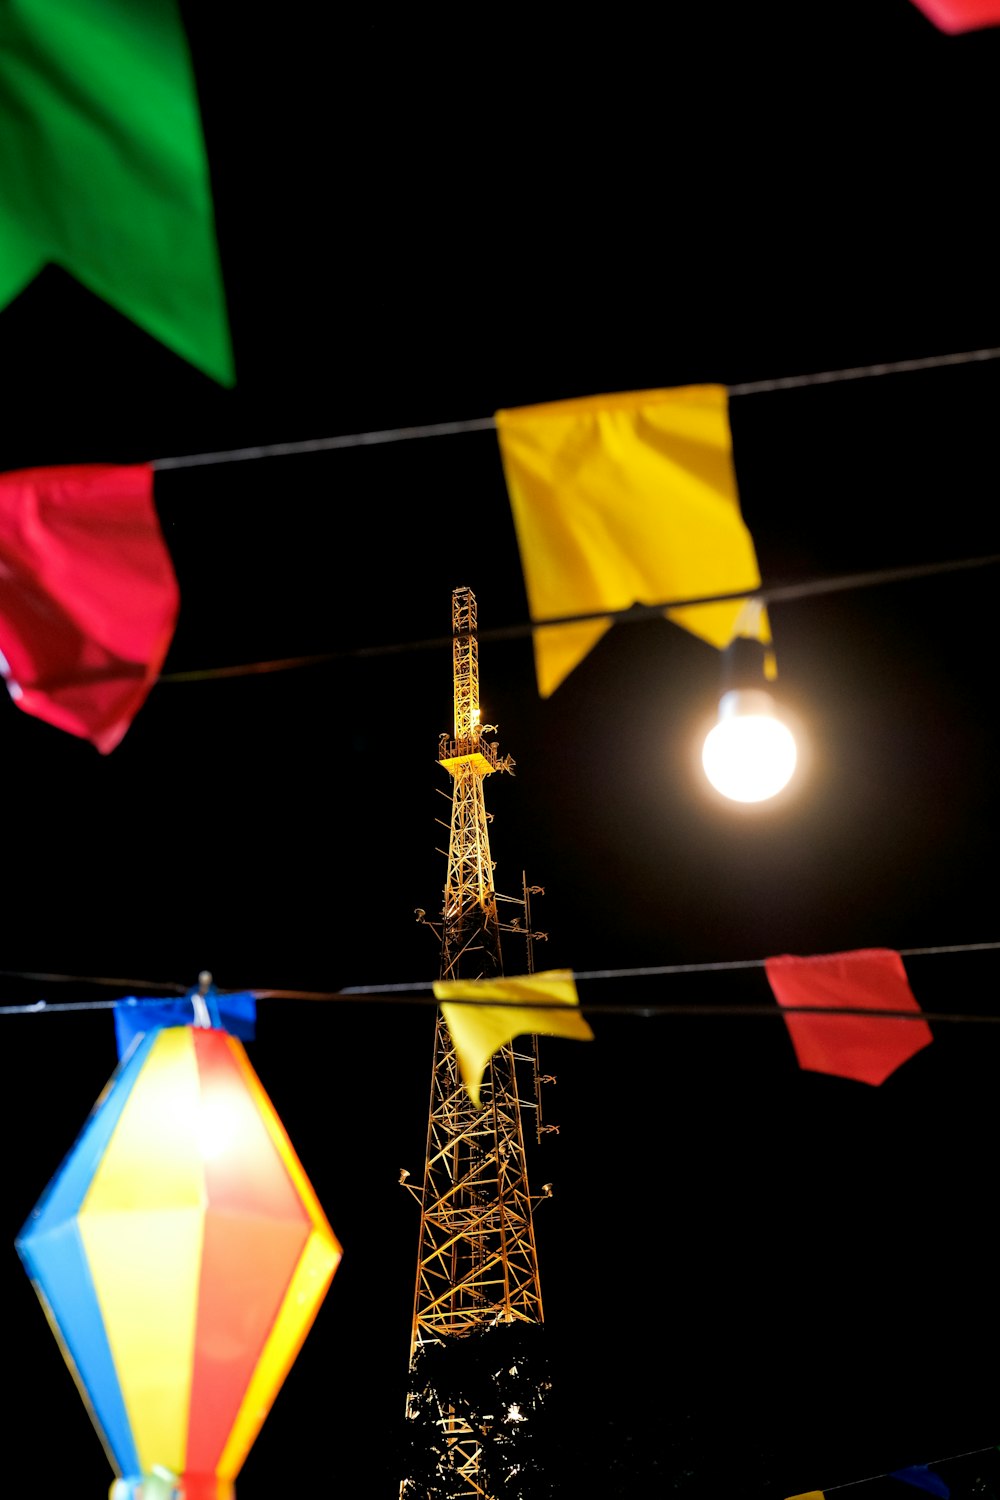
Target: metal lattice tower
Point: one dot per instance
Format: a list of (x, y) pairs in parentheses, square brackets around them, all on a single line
[(477, 1265)]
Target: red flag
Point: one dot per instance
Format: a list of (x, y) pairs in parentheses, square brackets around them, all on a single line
[(960, 15), (867, 1048), (88, 596)]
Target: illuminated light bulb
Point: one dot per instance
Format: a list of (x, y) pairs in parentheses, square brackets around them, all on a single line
[(750, 754)]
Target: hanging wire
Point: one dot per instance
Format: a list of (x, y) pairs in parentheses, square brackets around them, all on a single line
[(771, 594), (488, 424), (160, 987), (328, 444), (848, 1484), (645, 1012), (420, 992)]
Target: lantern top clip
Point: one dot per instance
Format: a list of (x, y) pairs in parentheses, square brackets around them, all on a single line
[(204, 1002)]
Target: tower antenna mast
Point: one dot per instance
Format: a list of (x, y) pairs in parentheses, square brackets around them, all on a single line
[(477, 1266)]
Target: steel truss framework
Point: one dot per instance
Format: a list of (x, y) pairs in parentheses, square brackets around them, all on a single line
[(477, 1264)]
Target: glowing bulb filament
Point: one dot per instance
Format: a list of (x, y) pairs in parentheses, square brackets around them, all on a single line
[(750, 754)]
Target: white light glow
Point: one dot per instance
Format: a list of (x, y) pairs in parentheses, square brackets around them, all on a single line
[(217, 1127), (750, 754), (212, 1122)]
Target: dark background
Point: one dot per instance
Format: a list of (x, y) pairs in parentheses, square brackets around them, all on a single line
[(757, 1280)]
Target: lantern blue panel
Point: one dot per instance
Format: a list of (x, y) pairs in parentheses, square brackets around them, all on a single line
[(51, 1249)]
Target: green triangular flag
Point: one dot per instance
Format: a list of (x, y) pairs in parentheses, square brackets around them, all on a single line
[(103, 168)]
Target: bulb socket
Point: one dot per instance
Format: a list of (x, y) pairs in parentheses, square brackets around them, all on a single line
[(739, 702), (743, 662)]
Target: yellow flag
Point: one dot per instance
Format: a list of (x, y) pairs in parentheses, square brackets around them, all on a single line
[(621, 500), (809, 1495), (480, 1030)]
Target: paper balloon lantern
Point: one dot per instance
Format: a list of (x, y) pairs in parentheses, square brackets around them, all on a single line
[(181, 1256)]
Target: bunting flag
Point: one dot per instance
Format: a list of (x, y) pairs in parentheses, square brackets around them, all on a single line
[(960, 15), (921, 1478), (809, 1495), (103, 169), (626, 499), (865, 1048), (479, 1030), (88, 596)]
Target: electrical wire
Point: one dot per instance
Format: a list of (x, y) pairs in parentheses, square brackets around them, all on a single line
[(780, 593), (783, 593), (488, 424), (420, 992), (848, 1484)]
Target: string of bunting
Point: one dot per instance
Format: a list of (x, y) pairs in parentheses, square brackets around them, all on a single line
[(658, 481), (839, 1009), (420, 991)]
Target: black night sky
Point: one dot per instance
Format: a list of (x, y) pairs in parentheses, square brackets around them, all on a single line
[(757, 1281)]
